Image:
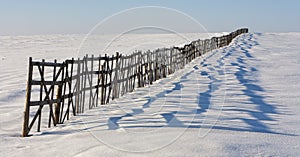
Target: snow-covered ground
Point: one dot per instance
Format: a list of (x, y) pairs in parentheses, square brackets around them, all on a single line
[(241, 100)]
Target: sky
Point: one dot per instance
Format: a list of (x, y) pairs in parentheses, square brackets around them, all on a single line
[(32, 17)]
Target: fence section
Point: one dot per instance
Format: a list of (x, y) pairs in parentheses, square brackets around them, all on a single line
[(76, 85)]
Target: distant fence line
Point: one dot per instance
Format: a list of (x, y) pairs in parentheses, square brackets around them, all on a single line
[(79, 84)]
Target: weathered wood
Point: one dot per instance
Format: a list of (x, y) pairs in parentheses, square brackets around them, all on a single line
[(58, 105), (47, 64), (77, 95), (98, 81), (106, 77), (110, 80), (103, 84), (70, 101), (52, 95), (134, 71), (35, 82), (27, 102), (139, 72), (122, 88), (156, 69), (85, 74), (65, 85), (115, 79), (91, 83), (126, 76), (41, 98)]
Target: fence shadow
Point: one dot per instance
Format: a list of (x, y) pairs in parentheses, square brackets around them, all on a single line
[(257, 122)]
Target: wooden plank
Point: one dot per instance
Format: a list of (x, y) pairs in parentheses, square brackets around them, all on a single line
[(40, 83), (98, 81), (57, 106), (77, 96), (34, 63), (41, 98), (103, 84), (52, 95), (106, 78), (140, 72), (128, 73), (25, 129), (115, 79), (110, 80), (82, 70), (156, 66), (59, 95), (65, 82), (85, 71), (133, 73), (70, 101), (91, 83), (123, 77), (35, 117), (44, 102)]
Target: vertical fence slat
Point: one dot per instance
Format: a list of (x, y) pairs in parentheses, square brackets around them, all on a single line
[(91, 82), (110, 79), (77, 98), (99, 77), (28, 98)]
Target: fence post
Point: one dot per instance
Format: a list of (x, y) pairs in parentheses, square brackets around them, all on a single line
[(78, 90), (156, 66), (99, 75), (110, 71), (58, 104), (103, 85), (91, 82), (139, 71), (115, 79), (27, 104)]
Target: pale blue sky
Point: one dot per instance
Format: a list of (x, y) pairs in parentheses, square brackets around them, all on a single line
[(25, 17)]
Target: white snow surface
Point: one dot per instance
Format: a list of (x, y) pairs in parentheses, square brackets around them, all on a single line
[(240, 100)]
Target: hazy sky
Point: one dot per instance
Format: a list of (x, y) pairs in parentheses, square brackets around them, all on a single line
[(25, 17)]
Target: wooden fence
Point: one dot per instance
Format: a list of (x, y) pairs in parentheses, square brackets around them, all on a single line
[(79, 84)]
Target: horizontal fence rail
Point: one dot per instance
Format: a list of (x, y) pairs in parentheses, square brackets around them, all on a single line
[(76, 85)]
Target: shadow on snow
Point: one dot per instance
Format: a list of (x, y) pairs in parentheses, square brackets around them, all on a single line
[(256, 122)]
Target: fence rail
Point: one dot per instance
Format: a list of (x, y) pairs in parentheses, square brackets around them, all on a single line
[(79, 84)]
